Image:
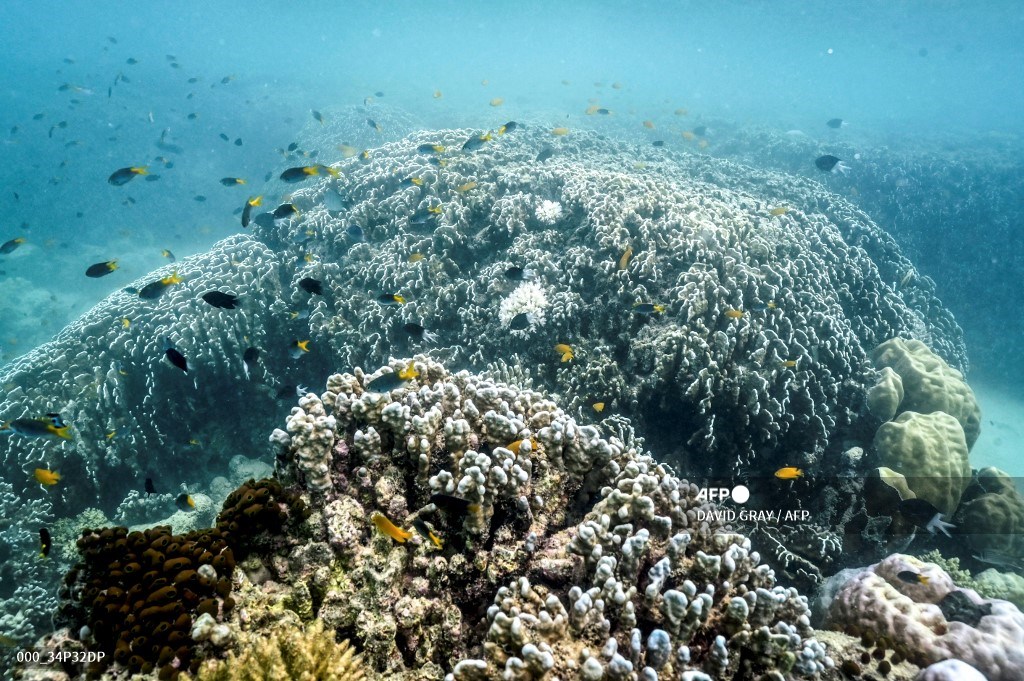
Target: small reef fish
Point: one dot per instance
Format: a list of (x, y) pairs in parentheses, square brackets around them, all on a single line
[(544, 154), (231, 181), (228, 301), (150, 489), (911, 577), (284, 210), (418, 332), (355, 231), (51, 425), (430, 149), (415, 257), (476, 142), (700, 130), (497, 101), (788, 364), (658, 143), (438, 94), (522, 321), (185, 502), (317, 116), (11, 245), (47, 477), (648, 308), (625, 257), (390, 299), (251, 202), (347, 151), (598, 407), (835, 123), (649, 125), (250, 359), (560, 132), (101, 269), (463, 188), (427, 533), (788, 473), (565, 351), (508, 127), (516, 273), (312, 286), (411, 182), (167, 254), (155, 289), (390, 381), (299, 348), (300, 173), (453, 505), (45, 542), (174, 356), (781, 210), (831, 164), (374, 124), (123, 176), (733, 313), (515, 446), (388, 528)]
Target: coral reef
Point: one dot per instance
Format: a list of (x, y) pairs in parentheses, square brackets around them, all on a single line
[(992, 515), (931, 620)]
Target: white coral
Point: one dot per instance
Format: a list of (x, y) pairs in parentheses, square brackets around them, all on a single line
[(549, 212), (528, 298)]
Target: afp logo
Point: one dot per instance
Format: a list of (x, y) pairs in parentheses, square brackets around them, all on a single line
[(738, 494)]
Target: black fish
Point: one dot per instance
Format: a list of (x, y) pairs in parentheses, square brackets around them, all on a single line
[(373, 124), (251, 356), (221, 299), (175, 357), (149, 487), (834, 123), (508, 127), (957, 606), (476, 142), (911, 577), (385, 383), (224, 137), (545, 154), (152, 290), (44, 542), (246, 212), (199, 197), (311, 285), (603, 112), (11, 244), (238, 141), (521, 321), (827, 163), (293, 146), (658, 143), (185, 502), (284, 210), (318, 116), (264, 220), (516, 273), (231, 181), (455, 505), (101, 269), (418, 332), (123, 176)]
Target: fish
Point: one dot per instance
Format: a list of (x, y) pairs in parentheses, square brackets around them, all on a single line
[(516, 273), (835, 123), (781, 210), (284, 210), (625, 257), (476, 142), (185, 502), (174, 356), (167, 254), (131, 60), (374, 124), (251, 359), (700, 130), (559, 132), (317, 116), (355, 231), (788, 473), (415, 258), (123, 176), (430, 149), (347, 151), (649, 125), (544, 154), (411, 182), (522, 321), (150, 489), (220, 299), (658, 143), (388, 528), (300, 173), (603, 112), (45, 476), (299, 348), (51, 425), (231, 181), (733, 313), (389, 381), (463, 188), (616, 86), (453, 505), (311, 285), (427, 533), (592, 109), (45, 542), (226, 79), (101, 269), (831, 164), (911, 577), (199, 197), (598, 407), (565, 351), (155, 289), (418, 332), (788, 364), (11, 245), (390, 299), (250, 203), (497, 101), (438, 94), (648, 308)]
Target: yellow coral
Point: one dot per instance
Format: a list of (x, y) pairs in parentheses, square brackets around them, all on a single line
[(289, 652)]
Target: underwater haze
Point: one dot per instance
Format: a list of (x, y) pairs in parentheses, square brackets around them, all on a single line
[(324, 293)]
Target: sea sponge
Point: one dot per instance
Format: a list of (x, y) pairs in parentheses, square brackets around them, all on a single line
[(930, 384), (930, 451)]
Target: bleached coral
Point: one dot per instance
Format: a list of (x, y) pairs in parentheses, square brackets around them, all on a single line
[(528, 298), (549, 212)]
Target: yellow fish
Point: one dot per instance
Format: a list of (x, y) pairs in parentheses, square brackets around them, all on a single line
[(789, 363), (598, 407), (626, 256), (497, 101), (255, 201), (781, 210), (649, 125), (732, 313), (565, 351), (514, 447), (47, 477), (616, 85), (347, 151), (415, 257), (389, 528), (437, 94), (788, 473), (111, 434), (409, 372), (558, 132), (436, 210), (680, 112), (125, 322), (592, 109), (466, 187)]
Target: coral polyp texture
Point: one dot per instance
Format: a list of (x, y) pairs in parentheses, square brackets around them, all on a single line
[(930, 619)]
